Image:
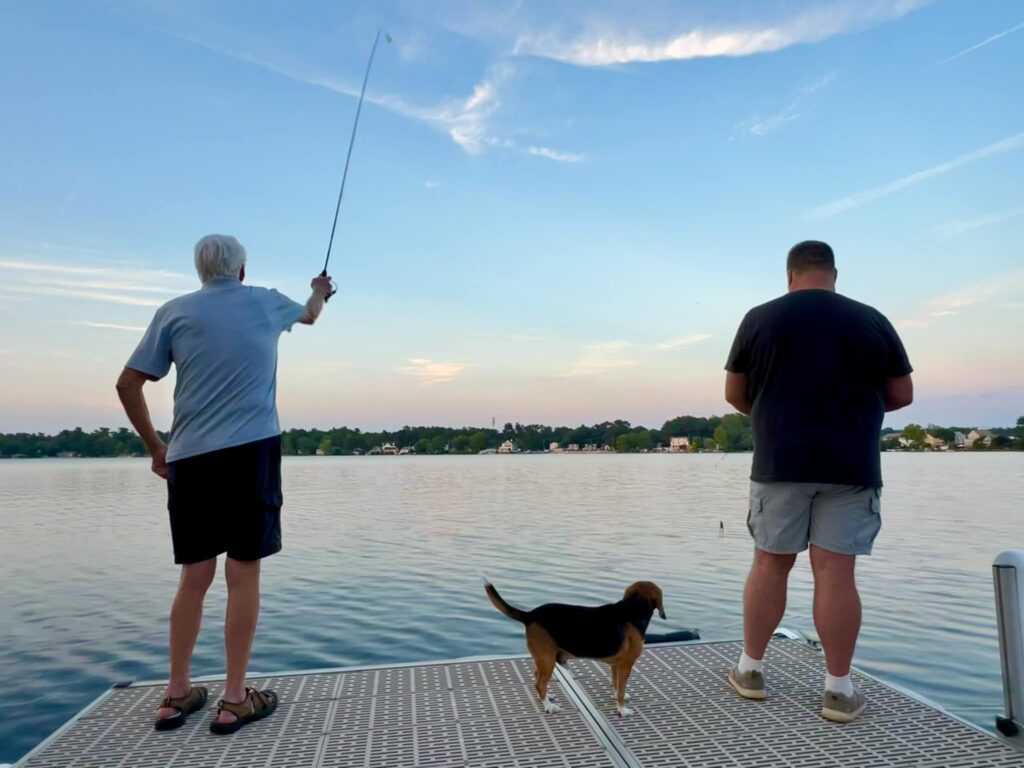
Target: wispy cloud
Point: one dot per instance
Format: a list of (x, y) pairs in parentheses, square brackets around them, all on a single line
[(876, 193), (983, 43), (110, 326), (598, 359), (609, 45), (683, 341), (761, 126), (127, 286), (993, 291), (960, 226), (820, 84), (466, 120), (554, 154), (69, 293), (432, 184), (431, 371), (21, 265)]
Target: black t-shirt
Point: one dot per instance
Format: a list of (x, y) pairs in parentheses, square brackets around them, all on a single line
[(816, 365)]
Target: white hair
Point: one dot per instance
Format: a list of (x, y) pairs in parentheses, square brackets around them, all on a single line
[(219, 256)]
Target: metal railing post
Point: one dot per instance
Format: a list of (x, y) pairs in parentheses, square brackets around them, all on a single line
[(1008, 578)]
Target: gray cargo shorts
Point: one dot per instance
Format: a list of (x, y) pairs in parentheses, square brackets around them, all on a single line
[(785, 517)]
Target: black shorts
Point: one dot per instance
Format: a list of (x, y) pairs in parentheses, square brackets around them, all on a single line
[(226, 501)]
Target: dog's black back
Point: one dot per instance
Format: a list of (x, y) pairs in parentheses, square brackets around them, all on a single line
[(591, 633)]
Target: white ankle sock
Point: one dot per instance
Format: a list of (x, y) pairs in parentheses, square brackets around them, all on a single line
[(747, 664), (841, 685)]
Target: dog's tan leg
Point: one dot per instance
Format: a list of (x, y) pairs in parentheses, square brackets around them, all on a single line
[(622, 673), (615, 682), (544, 651)]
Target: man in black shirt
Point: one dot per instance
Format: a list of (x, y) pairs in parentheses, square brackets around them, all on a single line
[(816, 372)]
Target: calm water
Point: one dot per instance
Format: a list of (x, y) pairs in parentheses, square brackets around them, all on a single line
[(381, 557)]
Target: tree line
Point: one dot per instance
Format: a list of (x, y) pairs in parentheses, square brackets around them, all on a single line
[(914, 437), (729, 433)]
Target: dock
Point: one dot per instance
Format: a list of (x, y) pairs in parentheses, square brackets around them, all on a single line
[(484, 713)]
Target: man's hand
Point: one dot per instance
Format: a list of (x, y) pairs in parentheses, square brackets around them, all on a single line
[(322, 286), (160, 461), (322, 290)]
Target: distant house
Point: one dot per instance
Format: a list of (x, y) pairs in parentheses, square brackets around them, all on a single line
[(507, 447), (959, 440), (389, 449), (555, 448), (407, 451), (935, 443), (979, 437), (679, 445), (573, 447)]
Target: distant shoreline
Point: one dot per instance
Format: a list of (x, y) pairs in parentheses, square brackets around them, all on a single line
[(729, 433), (718, 454)]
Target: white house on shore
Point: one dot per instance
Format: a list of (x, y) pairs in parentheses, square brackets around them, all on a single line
[(507, 447), (679, 445)]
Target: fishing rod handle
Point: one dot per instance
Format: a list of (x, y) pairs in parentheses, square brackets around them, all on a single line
[(334, 288)]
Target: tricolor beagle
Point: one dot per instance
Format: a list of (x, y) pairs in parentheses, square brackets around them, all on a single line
[(612, 633)]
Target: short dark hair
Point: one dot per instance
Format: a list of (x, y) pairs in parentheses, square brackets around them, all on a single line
[(810, 254)]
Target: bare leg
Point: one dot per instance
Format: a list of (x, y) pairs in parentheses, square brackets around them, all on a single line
[(836, 607), (764, 600), (186, 617), (243, 577)]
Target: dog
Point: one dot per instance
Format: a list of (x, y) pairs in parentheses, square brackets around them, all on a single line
[(612, 633)]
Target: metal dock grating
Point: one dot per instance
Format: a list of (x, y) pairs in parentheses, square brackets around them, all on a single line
[(485, 714)]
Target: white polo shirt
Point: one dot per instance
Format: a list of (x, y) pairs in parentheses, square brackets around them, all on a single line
[(222, 340)]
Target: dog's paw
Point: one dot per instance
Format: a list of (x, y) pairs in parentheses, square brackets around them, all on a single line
[(627, 697), (550, 707), (625, 711)]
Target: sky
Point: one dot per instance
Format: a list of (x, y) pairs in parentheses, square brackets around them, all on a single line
[(555, 213)]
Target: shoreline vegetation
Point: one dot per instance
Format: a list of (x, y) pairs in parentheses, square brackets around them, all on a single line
[(730, 433)]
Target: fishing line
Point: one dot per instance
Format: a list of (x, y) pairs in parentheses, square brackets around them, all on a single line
[(348, 158)]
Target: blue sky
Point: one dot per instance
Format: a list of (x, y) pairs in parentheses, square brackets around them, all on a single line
[(555, 213)]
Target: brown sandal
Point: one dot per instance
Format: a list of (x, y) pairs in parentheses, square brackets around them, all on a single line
[(257, 705), (185, 705)]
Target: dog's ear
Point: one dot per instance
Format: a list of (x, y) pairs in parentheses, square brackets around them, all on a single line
[(659, 603)]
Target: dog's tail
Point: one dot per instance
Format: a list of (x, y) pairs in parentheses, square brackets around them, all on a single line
[(499, 602)]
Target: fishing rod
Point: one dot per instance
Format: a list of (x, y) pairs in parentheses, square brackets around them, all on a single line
[(348, 158)]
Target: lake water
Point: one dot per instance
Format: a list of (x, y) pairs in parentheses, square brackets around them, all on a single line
[(381, 557)]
